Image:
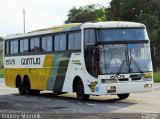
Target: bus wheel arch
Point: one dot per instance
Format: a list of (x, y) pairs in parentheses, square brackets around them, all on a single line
[(123, 96), (19, 85), (78, 87)]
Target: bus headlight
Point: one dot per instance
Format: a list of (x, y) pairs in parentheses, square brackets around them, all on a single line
[(147, 76), (111, 89), (147, 79)]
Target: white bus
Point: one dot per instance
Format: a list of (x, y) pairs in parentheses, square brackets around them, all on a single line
[(103, 58)]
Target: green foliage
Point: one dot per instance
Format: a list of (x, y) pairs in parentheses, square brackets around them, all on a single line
[(86, 13), (156, 77), (1, 73)]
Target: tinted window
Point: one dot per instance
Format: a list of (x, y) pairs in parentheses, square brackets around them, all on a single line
[(15, 47), (89, 36), (60, 42), (31, 45), (77, 41), (47, 43), (34, 45), (56, 42), (25, 44), (122, 34), (21, 46), (71, 41), (12, 47), (74, 41), (7, 48)]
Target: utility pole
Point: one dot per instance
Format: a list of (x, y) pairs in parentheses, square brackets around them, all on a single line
[(23, 11)]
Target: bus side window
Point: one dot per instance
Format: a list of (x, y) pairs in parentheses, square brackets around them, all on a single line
[(89, 36), (15, 51), (7, 47), (60, 42), (74, 41), (35, 44), (11, 47), (77, 41), (56, 42), (21, 46), (46, 43), (25, 46), (71, 41)]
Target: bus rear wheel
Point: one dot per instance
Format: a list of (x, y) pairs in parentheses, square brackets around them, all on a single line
[(20, 87), (123, 96), (27, 86), (79, 89)]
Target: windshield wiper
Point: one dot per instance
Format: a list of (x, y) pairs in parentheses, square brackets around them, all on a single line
[(136, 64)]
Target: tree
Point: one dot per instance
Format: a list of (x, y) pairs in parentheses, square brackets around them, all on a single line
[(86, 13)]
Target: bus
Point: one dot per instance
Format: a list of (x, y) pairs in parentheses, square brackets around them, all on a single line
[(93, 58)]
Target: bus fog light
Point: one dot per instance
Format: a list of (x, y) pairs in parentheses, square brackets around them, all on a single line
[(148, 85)]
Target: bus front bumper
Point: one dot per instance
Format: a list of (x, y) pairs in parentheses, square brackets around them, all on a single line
[(127, 87)]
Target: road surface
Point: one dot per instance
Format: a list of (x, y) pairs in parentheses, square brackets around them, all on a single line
[(47, 104)]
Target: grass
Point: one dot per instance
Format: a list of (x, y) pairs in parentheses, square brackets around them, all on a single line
[(156, 76), (1, 73)]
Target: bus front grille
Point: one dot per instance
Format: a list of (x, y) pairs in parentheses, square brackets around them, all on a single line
[(124, 79)]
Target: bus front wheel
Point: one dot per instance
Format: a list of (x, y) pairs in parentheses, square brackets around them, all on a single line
[(79, 89), (123, 96)]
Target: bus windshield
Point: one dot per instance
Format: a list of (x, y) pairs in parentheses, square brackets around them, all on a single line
[(125, 58), (122, 34)]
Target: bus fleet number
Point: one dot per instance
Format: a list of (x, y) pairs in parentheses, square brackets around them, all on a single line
[(10, 62)]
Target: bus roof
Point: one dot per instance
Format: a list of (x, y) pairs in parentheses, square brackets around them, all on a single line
[(112, 24), (74, 27), (50, 30)]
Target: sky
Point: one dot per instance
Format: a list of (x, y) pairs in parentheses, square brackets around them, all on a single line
[(39, 13)]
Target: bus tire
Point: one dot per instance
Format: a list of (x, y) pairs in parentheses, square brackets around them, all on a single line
[(20, 86), (123, 96), (27, 86), (79, 89), (35, 92)]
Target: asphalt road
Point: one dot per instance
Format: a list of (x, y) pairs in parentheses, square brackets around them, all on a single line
[(47, 104)]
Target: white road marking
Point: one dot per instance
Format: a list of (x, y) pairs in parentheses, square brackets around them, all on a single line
[(149, 112), (90, 104), (114, 107), (61, 101)]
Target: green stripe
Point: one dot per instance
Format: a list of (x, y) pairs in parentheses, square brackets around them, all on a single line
[(61, 74), (53, 71)]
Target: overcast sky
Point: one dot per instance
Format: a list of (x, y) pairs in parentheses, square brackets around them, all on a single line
[(39, 13)]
